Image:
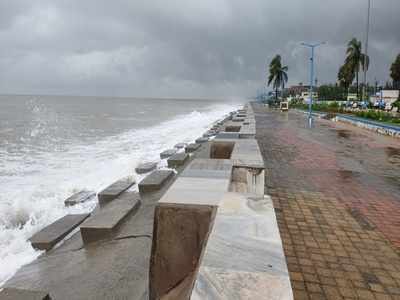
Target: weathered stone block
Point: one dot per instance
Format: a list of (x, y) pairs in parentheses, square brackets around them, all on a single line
[(236, 119), (155, 180), (183, 220), (79, 197), (180, 145), (145, 167), (19, 294), (201, 140), (177, 160), (192, 147), (179, 239), (49, 236), (167, 153), (208, 168), (209, 133), (114, 190), (227, 135), (107, 219)]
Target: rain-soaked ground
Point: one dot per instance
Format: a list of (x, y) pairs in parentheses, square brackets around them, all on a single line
[(336, 194), (359, 167)]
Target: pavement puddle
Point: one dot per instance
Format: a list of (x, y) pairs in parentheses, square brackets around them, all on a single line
[(393, 155)]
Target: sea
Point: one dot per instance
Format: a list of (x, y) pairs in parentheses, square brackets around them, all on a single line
[(54, 146)]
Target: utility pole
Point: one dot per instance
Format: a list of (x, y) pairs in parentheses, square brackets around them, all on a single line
[(366, 50), (312, 47)]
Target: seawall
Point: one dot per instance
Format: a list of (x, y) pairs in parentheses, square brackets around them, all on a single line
[(201, 229)]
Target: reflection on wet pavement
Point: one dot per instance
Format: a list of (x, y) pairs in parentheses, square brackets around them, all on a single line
[(360, 168)]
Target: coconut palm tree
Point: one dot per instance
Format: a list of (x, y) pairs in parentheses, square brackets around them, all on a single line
[(346, 77), (356, 60), (277, 74), (395, 72)]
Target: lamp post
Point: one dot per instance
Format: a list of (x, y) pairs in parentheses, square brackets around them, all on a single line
[(312, 46), (366, 49)]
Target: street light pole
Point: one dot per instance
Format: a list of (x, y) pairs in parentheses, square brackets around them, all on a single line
[(312, 46), (366, 48)]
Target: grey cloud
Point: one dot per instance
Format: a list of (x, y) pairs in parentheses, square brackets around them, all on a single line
[(179, 47)]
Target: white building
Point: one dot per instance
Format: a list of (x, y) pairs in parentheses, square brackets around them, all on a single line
[(305, 96), (352, 97), (388, 96)]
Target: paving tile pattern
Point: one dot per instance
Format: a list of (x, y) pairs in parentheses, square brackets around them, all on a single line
[(336, 192)]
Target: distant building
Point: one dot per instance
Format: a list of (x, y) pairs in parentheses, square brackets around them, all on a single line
[(305, 96), (388, 96), (352, 97), (296, 90)]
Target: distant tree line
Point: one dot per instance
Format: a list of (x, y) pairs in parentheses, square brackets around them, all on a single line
[(355, 62), (395, 73)]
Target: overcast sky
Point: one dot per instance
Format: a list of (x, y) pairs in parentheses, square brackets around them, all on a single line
[(181, 48)]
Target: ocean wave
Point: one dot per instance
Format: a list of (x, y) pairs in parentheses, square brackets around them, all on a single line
[(34, 187)]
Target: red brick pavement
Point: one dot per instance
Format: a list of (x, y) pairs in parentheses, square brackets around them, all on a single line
[(336, 190)]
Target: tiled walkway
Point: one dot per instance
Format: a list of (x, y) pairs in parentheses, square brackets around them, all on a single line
[(336, 191)]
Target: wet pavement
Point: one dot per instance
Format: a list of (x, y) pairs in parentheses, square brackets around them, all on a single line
[(336, 191)]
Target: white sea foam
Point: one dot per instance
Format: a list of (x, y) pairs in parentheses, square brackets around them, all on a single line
[(34, 190)]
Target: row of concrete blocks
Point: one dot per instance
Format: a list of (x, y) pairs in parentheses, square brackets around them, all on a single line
[(48, 237), (176, 159), (185, 216), (115, 204), (113, 208)]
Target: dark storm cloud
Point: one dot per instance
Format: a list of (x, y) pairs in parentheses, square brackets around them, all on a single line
[(180, 47)]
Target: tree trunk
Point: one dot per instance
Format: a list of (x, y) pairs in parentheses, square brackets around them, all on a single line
[(276, 94), (358, 92)]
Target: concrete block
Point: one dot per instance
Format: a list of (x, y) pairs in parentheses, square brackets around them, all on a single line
[(209, 133), (208, 168), (167, 153), (180, 145), (114, 190), (49, 236), (20, 294), (177, 160), (107, 219), (227, 135), (179, 238), (79, 197), (192, 147), (237, 119), (145, 167), (155, 180), (183, 220), (244, 258), (201, 140)]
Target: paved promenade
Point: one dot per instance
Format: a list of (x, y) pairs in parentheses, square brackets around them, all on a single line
[(336, 191)]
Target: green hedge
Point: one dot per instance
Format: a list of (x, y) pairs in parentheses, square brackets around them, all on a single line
[(334, 107), (378, 115)]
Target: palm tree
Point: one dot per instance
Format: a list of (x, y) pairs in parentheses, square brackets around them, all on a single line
[(277, 74), (395, 72), (356, 60), (345, 77)]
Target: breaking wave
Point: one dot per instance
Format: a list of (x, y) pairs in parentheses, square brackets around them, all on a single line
[(34, 188)]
